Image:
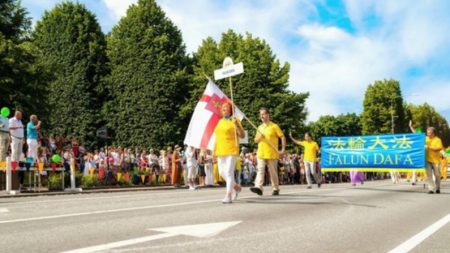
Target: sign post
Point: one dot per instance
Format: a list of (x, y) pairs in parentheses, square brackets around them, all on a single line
[(229, 69), (72, 178), (9, 168)]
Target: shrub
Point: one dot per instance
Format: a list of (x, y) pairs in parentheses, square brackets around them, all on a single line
[(54, 182), (90, 181)]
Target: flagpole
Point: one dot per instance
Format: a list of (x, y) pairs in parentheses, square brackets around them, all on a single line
[(257, 129), (233, 110), (245, 117)]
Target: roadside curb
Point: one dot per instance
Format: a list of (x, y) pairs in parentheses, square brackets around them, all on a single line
[(90, 191)]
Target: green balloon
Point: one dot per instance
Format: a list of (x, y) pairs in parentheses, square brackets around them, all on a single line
[(5, 112), (56, 158), (419, 130)]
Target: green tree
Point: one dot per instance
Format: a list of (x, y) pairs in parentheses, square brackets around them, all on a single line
[(424, 116), (383, 108), (14, 22), (21, 81), (264, 83), (72, 47), (342, 125), (148, 78)]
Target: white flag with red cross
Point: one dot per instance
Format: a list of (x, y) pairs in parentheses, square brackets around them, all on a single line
[(207, 113)]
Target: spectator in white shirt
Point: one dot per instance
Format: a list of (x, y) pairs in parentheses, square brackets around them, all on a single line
[(17, 134)]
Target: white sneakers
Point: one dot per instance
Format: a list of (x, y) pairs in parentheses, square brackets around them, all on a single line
[(193, 187), (227, 200), (236, 193)]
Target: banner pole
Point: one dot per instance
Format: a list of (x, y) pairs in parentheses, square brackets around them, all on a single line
[(256, 128), (232, 109)]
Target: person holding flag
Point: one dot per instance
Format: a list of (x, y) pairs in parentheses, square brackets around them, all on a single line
[(267, 137), (226, 149)]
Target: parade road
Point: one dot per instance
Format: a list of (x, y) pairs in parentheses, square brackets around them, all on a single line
[(374, 217)]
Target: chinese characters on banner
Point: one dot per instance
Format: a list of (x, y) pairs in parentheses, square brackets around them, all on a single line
[(373, 152)]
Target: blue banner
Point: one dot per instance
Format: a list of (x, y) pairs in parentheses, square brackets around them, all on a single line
[(373, 152)]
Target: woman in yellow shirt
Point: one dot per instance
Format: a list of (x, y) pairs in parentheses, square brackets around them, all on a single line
[(228, 131)]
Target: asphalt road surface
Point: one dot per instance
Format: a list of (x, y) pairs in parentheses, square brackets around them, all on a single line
[(374, 217)]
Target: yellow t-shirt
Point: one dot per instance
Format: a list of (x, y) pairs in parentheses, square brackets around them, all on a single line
[(271, 133), (311, 150), (433, 156), (227, 142)]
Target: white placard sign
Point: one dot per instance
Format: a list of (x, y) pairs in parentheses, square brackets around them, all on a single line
[(229, 71)]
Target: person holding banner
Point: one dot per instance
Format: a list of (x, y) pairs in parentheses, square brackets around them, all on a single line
[(226, 149), (309, 158), (433, 147), (413, 175), (267, 136)]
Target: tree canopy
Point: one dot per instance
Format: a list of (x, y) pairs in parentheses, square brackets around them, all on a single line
[(148, 81), (72, 47), (342, 125), (21, 81), (383, 111), (424, 116)]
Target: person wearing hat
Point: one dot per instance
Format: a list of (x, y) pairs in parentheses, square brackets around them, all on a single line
[(226, 150), (176, 166)]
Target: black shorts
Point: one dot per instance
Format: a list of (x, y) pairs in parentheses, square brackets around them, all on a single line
[(201, 170)]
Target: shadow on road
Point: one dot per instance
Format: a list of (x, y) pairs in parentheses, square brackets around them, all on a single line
[(299, 200)]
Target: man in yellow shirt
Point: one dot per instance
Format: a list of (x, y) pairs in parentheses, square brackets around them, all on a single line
[(311, 149), (267, 138), (433, 147)]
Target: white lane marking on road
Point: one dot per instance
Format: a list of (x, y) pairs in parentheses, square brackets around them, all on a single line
[(119, 244), (107, 211), (420, 237), (90, 198), (139, 208), (148, 193), (200, 231), (4, 210)]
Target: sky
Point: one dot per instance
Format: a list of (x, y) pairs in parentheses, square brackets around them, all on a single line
[(336, 48)]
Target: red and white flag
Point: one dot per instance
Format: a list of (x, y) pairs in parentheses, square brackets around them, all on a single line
[(207, 113)]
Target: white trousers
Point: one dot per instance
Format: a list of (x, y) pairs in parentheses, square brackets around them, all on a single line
[(191, 170), (32, 149), (226, 166), (310, 168), (209, 179), (16, 149), (413, 176), (395, 176)]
